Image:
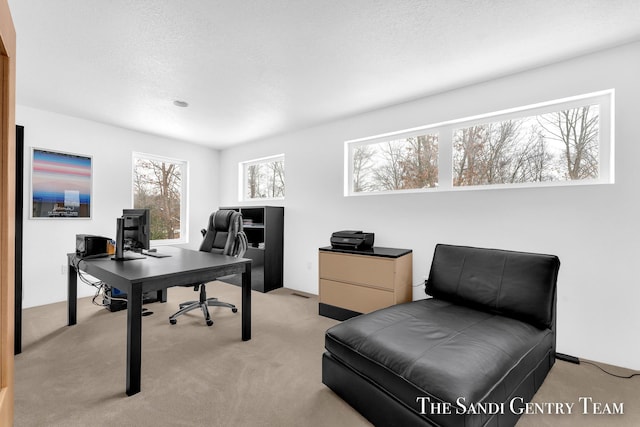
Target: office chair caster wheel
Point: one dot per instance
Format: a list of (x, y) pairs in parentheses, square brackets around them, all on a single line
[(234, 310), (173, 321), (209, 322)]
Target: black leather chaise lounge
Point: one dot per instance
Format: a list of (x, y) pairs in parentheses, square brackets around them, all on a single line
[(472, 355)]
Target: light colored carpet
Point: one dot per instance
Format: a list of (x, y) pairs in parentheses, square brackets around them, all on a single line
[(198, 375)]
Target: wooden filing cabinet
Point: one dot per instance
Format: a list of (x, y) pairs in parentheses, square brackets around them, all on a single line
[(355, 282)]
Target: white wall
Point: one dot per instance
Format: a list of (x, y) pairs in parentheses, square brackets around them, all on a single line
[(47, 241), (593, 229)]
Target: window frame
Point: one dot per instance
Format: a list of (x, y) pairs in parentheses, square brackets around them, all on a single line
[(243, 178), (184, 195), (387, 137), (605, 99)]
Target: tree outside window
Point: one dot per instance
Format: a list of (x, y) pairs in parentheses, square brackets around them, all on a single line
[(263, 178), (567, 141), (557, 146), (158, 184), (400, 164)]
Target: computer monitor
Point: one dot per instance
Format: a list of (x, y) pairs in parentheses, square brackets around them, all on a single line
[(136, 229)]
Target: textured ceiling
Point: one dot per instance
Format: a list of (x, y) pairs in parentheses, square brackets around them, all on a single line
[(255, 68)]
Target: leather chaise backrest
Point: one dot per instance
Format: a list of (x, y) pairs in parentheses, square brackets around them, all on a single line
[(515, 284)]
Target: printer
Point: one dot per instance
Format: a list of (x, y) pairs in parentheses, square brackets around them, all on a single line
[(88, 245), (351, 239)]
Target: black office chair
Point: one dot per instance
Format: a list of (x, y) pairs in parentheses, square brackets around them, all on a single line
[(223, 235)]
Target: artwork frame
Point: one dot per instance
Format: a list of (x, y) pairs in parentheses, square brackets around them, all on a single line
[(61, 185)]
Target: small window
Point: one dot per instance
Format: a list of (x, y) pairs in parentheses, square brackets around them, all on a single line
[(401, 163), (262, 178), (160, 184)]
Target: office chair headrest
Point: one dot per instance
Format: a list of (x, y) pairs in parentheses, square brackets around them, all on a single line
[(222, 219)]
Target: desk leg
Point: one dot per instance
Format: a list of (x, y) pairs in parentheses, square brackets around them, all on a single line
[(72, 294), (246, 303), (134, 340)]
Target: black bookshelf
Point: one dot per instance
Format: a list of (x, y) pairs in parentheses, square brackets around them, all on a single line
[(264, 226)]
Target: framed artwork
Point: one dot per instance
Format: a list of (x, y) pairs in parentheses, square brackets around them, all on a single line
[(60, 185)]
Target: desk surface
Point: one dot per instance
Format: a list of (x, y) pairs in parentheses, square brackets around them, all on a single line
[(183, 267), (180, 260)]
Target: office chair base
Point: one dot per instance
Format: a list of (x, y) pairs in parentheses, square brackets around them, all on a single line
[(212, 302), (197, 304), (203, 304)]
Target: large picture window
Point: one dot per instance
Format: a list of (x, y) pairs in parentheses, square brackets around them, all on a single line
[(562, 142), (160, 184), (262, 178)]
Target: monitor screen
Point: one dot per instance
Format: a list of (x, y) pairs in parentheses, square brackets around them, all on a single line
[(136, 229)]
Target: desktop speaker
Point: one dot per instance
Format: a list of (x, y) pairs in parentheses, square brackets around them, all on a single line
[(88, 245)]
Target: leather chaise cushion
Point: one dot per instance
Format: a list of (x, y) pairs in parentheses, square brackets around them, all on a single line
[(437, 349)]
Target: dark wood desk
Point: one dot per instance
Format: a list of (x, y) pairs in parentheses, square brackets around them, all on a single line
[(136, 277)]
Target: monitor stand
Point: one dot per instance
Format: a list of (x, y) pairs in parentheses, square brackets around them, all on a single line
[(121, 254), (127, 256)]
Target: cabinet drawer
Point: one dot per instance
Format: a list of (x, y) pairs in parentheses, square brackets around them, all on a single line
[(366, 270), (354, 297)]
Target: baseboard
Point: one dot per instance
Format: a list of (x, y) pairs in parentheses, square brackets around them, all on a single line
[(567, 358)]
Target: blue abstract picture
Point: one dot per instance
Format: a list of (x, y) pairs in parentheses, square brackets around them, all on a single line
[(60, 185)]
